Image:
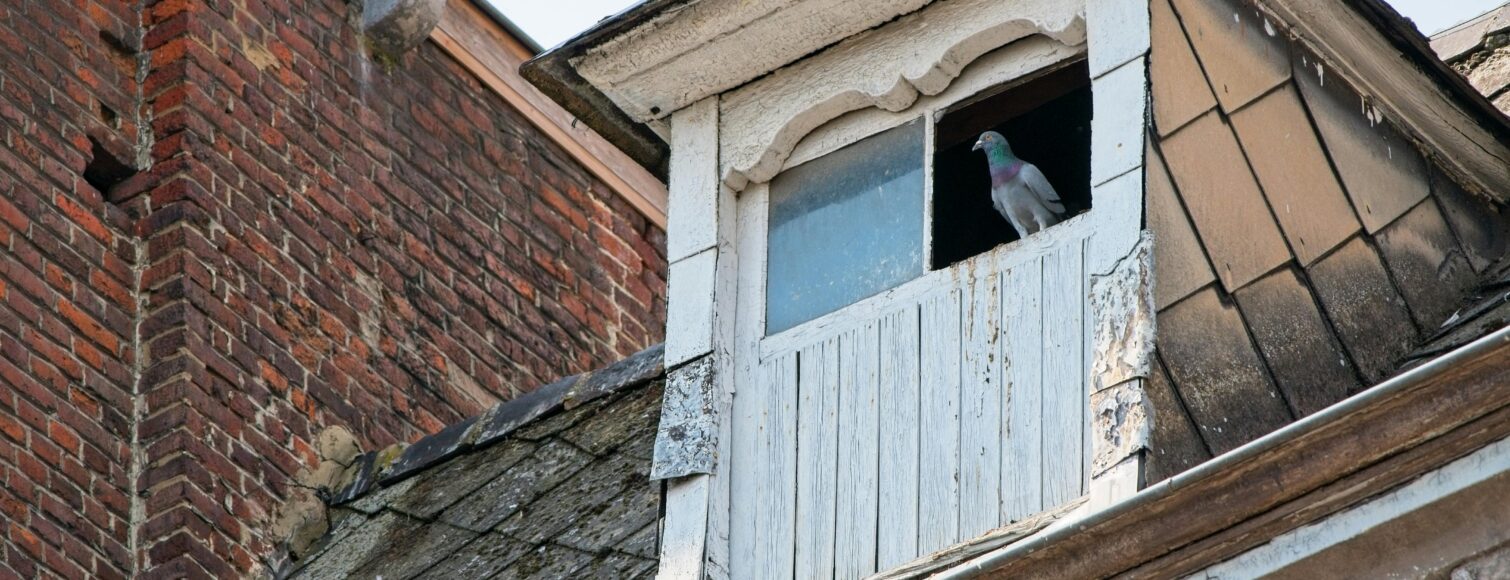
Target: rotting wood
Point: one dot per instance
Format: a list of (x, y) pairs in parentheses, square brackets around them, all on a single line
[(939, 366), (1064, 389), (981, 406), (1329, 499), (1023, 347)]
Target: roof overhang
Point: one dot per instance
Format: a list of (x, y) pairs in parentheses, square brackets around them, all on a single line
[(1318, 466), (627, 75)]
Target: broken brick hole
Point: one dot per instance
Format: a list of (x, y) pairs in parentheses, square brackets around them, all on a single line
[(105, 170), (109, 116)]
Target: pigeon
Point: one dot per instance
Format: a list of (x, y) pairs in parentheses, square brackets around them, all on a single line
[(1019, 190)]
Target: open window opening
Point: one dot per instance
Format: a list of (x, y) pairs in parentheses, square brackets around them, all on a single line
[(1046, 122)]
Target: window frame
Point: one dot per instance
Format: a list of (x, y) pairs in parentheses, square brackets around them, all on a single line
[(988, 76)]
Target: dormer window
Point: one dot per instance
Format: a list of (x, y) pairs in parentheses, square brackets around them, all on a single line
[(862, 218), (845, 227), (1046, 121)]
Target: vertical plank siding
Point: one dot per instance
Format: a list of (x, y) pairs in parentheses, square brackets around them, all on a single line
[(817, 457), (1022, 341), (859, 456), (938, 505), (1063, 374), (981, 407), (901, 431), (776, 458), (923, 423)]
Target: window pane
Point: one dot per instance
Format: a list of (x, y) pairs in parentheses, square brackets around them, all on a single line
[(845, 226)]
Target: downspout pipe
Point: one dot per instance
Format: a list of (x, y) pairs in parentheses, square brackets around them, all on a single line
[(1374, 395)]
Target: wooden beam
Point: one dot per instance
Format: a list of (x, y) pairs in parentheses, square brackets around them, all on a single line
[(488, 51)]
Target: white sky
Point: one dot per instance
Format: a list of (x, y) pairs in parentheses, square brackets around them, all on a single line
[(551, 22)]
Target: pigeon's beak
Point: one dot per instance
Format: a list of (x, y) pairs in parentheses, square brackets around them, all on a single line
[(978, 145)]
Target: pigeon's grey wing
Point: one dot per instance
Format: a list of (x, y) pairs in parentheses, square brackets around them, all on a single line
[(1041, 189)]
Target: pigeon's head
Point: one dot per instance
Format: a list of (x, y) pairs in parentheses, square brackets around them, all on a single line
[(992, 141)]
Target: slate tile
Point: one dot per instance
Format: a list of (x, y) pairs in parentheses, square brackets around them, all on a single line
[(643, 543), (1462, 39), (1305, 358), (614, 565), (1480, 226), (586, 494), (1180, 265), (1430, 270), (1367, 312), (436, 489), (546, 562), (1383, 174), (343, 525), (1242, 54), (480, 558), (409, 548), (527, 480), (1218, 373), (1175, 445), (1224, 201), (637, 413), (1303, 192), (611, 523), (1180, 91), (1493, 75), (552, 424)]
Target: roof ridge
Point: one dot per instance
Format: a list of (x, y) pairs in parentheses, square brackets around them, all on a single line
[(384, 467)]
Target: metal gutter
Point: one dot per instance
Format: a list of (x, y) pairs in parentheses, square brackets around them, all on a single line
[(1373, 396), (508, 25)]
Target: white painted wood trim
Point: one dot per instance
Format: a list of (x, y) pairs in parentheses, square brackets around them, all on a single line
[(689, 307), (786, 134), (684, 529), (694, 180)]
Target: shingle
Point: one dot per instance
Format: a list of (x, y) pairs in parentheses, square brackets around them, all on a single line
[(409, 549), (1180, 91), (1493, 75), (481, 558), (435, 490), (1218, 373), (1479, 225), (1303, 192), (1369, 315), (578, 500), (550, 464), (1180, 265), (1383, 174), (1224, 201), (1242, 53), (1306, 360), (1461, 39), (1429, 268), (618, 423), (1175, 445), (546, 562)]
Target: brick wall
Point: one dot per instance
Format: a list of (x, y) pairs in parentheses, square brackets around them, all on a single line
[(313, 240)]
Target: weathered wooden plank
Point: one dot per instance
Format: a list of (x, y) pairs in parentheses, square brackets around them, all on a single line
[(1063, 374), (747, 407), (938, 482), (859, 454), (981, 400), (897, 531), (817, 454), (1022, 327), (775, 459)]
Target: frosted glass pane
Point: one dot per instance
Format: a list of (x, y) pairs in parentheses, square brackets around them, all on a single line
[(845, 226)]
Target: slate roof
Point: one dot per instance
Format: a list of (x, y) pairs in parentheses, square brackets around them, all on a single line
[(1307, 247), (1480, 50), (552, 484)]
